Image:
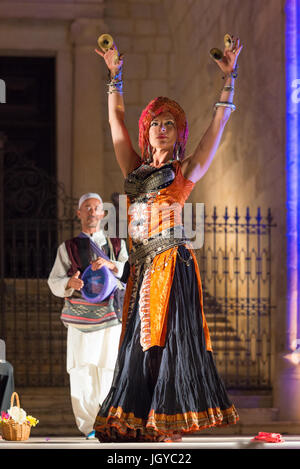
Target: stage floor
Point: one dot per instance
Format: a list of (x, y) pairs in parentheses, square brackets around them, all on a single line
[(188, 443)]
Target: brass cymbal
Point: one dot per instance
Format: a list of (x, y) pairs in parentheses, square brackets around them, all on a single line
[(216, 54), (105, 42), (228, 41)]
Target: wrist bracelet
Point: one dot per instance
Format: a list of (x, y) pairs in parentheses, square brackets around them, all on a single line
[(225, 104), (233, 74), (115, 87), (116, 83)]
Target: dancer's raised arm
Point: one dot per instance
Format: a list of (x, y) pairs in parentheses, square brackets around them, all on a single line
[(126, 156), (196, 165)]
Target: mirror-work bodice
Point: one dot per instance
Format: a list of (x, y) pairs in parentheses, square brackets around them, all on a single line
[(155, 201)]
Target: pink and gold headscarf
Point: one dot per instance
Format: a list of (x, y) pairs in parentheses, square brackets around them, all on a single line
[(154, 108)]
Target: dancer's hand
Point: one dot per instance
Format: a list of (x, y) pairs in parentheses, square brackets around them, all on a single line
[(113, 59), (228, 62), (75, 282)]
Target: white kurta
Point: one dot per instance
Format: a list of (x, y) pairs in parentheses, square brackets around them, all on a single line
[(91, 356)]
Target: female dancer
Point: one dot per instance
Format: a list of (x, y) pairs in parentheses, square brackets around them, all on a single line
[(165, 382)]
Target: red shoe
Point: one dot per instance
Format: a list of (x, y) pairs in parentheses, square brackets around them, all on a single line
[(269, 437)]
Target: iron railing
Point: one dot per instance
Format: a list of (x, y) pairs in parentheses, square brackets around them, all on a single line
[(235, 265)]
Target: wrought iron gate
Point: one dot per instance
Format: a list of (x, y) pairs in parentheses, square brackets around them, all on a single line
[(235, 265), (31, 231)]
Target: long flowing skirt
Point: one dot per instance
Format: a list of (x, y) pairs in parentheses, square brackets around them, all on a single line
[(170, 389)]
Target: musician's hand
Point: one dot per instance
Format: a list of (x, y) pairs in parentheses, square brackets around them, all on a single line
[(228, 62), (99, 262), (75, 282)]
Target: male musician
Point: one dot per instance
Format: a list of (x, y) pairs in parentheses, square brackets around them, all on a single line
[(91, 349)]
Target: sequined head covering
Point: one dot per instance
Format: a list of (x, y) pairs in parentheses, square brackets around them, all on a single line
[(154, 108)]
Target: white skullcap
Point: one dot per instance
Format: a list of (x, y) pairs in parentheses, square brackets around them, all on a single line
[(89, 195)]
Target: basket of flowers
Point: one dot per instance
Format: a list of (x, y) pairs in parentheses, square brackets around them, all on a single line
[(15, 424)]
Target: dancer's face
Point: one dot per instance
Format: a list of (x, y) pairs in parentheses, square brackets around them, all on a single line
[(90, 214), (163, 132)]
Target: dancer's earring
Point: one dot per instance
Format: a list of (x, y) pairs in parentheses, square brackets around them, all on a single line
[(177, 152)]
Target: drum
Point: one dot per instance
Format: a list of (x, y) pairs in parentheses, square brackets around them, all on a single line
[(98, 284)]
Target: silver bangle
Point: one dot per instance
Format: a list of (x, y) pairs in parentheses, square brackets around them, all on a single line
[(116, 83), (115, 88), (225, 104)]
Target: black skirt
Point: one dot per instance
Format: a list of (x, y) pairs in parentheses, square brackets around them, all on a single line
[(167, 390)]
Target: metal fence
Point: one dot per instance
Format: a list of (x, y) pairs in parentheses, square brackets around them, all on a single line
[(35, 216), (235, 265), (35, 337)]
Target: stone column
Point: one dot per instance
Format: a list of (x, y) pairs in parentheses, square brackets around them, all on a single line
[(87, 160), (287, 389)]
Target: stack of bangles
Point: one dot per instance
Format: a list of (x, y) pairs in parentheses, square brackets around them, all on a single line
[(228, 88), (116, 83)]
